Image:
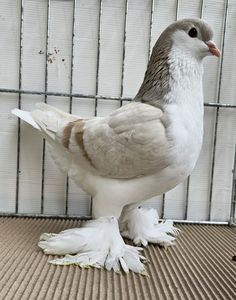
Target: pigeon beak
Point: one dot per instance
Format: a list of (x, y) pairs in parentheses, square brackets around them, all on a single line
[(213, 48)]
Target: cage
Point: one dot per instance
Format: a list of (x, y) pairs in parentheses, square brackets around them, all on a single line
[(89, 58)]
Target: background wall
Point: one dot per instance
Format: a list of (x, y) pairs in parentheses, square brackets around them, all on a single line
[(96, 48)]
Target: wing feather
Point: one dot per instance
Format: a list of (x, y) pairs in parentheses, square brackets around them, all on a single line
[(130, 142)]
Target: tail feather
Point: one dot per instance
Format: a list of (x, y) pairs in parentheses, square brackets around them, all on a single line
[(45, 118), (26, 116), (51, 122), (47, 121), (46, 107)]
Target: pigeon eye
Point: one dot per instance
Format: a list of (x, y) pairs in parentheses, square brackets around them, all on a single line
[(192, 32)]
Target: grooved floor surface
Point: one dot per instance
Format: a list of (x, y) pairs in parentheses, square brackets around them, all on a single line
[(200, 266)]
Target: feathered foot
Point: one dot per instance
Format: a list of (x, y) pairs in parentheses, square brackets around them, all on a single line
[(97, 244), (142, 225)]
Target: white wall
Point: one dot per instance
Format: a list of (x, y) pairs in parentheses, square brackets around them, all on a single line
[(137, 45)]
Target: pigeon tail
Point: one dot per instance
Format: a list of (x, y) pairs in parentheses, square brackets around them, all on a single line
[(51, 121), (25, 116), (97, 243)]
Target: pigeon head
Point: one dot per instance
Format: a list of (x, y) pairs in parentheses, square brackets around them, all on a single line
[(180, 49), (192, 37)]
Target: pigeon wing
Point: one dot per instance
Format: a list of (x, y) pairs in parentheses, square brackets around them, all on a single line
[(130, 142)]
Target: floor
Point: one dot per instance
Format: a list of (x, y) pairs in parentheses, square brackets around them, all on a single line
[(199, 266)]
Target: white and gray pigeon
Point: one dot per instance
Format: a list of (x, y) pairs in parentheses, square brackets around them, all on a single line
[(141, 150)]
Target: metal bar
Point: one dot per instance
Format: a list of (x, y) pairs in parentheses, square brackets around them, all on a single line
[(217, 113), (46, 50), (201, 222), (97, 75), (187, 198), (224, 105), (46, 216), (98, 56), (123, 54), (233, 201), (45, 100), (177, 10), (202, 9), (163, 206), (19, 106), (28, 92), (150, 28), (50, 216), (71, 90), (72, 55)]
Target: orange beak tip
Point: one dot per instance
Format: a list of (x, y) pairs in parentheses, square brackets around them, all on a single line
[(213, 48)]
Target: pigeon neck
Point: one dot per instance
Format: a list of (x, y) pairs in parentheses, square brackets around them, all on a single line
[(156, 80), (172, 71), (186, 73)]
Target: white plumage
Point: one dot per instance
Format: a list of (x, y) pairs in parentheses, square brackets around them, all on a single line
[(143, 149), (142, 226), (98, 244)]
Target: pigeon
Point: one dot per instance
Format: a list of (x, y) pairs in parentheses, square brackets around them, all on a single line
[(140, 150)]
